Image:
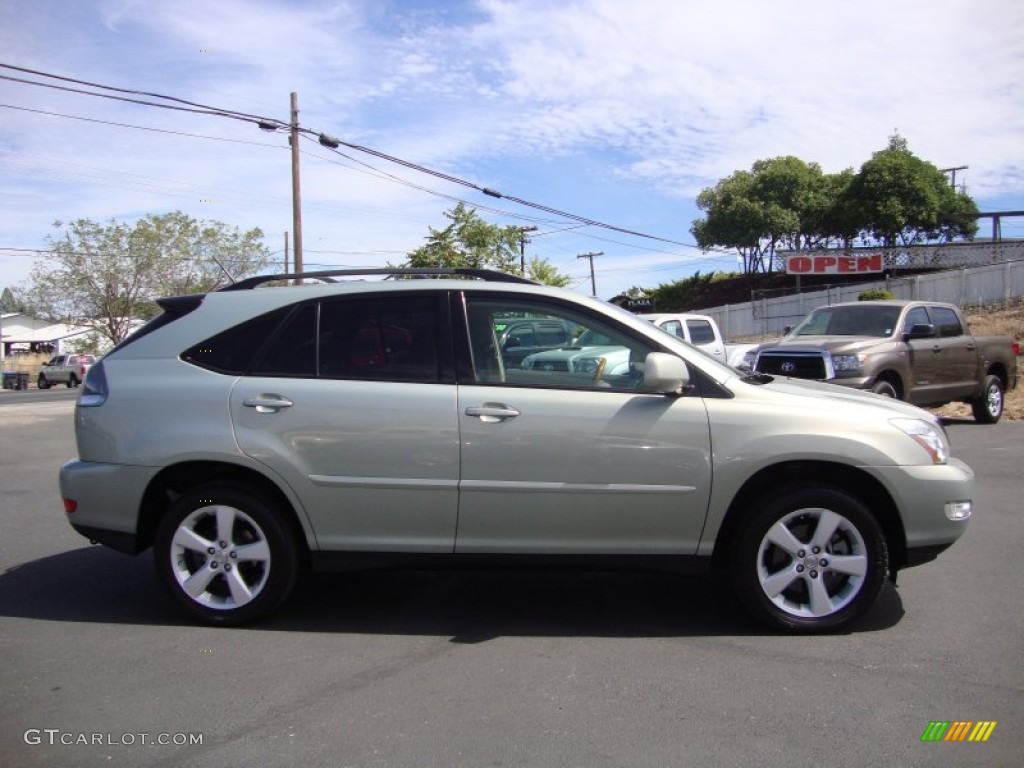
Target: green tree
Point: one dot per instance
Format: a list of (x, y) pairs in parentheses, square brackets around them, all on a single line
[(781, 202), (108, 276), (470, 242), (899, 199), (12, 301)]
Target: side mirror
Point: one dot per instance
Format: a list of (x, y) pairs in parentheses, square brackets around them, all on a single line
[(920, 331), (665, 374)]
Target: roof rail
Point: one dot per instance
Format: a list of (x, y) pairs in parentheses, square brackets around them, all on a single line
[(326, 275)]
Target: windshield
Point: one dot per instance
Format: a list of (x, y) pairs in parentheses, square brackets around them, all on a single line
[(592, 338), (868, 320)]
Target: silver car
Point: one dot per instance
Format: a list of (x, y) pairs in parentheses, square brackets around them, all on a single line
[(248, 433)]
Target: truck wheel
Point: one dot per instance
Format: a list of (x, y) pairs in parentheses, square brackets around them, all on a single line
[(42, 382), (227, 555), (809, 559), (989, 407), (72, 381), (885, 388)]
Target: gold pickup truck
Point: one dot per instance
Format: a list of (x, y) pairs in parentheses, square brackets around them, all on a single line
[(918, 351)]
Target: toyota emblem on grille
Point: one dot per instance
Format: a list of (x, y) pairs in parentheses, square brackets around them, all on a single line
[(788, 367)]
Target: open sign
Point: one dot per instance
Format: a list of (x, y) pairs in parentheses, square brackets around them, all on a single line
[(833, 265)]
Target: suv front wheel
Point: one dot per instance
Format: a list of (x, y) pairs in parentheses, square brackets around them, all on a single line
[(810, 559), (226, 555)]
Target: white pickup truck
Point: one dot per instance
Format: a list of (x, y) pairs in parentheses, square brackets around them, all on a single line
[(65, 369), (701, 331)]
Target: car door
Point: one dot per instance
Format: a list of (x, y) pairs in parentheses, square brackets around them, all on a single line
[(575, 462), (702, 334), (942, 366), (351, 404), (959, 354)]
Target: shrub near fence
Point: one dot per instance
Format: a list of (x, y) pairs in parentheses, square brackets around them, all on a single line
[(968, 287)]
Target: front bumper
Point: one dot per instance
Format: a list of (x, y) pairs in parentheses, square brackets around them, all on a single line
[(921, 494)]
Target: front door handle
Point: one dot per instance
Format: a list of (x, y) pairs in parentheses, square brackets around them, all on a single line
[(267, 403), (492, 412)]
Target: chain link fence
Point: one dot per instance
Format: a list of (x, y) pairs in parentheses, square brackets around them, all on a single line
[(989, 285)]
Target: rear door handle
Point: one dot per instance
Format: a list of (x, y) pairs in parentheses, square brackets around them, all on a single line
[(492, 412), (267, 403)]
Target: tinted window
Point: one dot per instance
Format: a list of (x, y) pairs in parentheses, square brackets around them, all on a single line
[(916, 316), (292, 350), (551, 334), (388, 338), (946, 321), (700, 331), (234, 350)]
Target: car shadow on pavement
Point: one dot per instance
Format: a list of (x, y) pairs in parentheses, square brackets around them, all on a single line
[(95, 585)]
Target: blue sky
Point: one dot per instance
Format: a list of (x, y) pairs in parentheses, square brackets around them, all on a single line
[(617, 111)]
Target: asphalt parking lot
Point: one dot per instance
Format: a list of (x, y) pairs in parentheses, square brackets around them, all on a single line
[(493, 669)]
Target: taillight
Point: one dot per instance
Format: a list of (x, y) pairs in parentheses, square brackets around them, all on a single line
[(94, 388), (1016, 348), (70, 505)]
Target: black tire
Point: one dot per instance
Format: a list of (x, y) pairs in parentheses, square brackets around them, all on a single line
[(241, 574), (72, 381), (885, 388), (42, 382), (988, 408), (795, 588)]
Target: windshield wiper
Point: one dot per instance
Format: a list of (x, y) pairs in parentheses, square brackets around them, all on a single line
[(757, 378)]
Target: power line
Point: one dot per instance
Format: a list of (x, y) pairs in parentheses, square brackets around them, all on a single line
[(204, 108), (142, 127), (274, 124)]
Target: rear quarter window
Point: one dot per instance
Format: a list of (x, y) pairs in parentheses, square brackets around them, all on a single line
[(234, 350)]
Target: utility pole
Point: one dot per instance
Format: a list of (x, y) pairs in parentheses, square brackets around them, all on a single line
[(286, 252), (591, 255), (523, 240), (293, 139), (952, 181)]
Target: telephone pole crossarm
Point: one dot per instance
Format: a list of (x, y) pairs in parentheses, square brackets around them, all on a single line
[(590, 256)]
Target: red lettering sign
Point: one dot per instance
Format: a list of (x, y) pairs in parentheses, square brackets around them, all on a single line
[(831, 265)]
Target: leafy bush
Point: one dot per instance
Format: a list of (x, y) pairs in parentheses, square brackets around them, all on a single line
[(875, 294)]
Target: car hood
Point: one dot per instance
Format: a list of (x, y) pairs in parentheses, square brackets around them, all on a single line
[(834, 393), (844, 344), (562, 354)]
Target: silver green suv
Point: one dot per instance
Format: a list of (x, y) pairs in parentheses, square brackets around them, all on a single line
[(259, 430)]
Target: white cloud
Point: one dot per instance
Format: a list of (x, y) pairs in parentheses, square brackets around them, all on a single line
[(617, 111)]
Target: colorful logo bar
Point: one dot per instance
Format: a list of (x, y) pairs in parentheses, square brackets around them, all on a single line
[(958, 730)]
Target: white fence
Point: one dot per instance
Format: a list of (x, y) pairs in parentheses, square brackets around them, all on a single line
[(966, 287)]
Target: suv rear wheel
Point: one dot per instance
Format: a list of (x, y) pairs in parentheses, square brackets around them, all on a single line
[(226, 555), (72, 381), (810, 560)]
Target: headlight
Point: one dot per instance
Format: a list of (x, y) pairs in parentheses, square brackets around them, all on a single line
[(749, 358), (927, 435), (587, 365), (848, 362)]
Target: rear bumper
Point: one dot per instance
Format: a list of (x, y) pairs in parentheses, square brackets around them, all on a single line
[(103, 494)]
